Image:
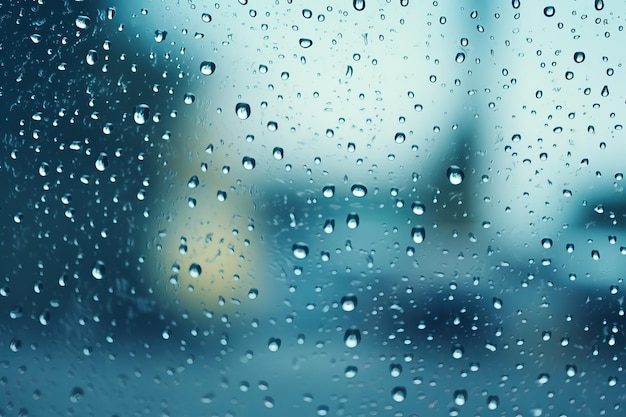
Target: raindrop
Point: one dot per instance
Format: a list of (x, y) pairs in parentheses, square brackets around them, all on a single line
[(193, 182), (328, 191), (460, 57), (352, 221), (395, 370), (98, 270), (273, 344), (492, 402), (351, 371), (248, 163), (189, 98), (457, 352), (352, 338), (605, 91), (398, 394), (599, 4), (460, 397), (221, 195), (300, 250), (92, 57), (543, 379), (160, 35), (349, 302), (358, 4), (579, 57), (76, 394), (359, 190), (548, 11), (307, 13), (418, 234), (102, 162), (206, 18), (305, 43), (455, 175), (546, 243), (418, 208), (497, 303), (242, 110), (141, 114), (329, 226), (207, 67), (570, 370), (278, 153), (253, 294), (82, 22), (400, 137), (195, 270)]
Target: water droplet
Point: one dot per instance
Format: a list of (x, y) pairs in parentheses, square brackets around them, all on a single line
[(605, 91), (195, 270), (579, 57), (206, 18), (189, 98), (300, 250), (102, 162), (548, 11), (253, 294), (82, 22), (595, 255), (460, 57), (418, 208), (242, 110), (328, 191), (418, 234), (395, 370), (404, 3), (358, 4), (492, 402), (359, 190), (207, 67), (98, 270), (457, 352), (248, 163), (543, 379), (160, 35), (278, 153), (221, 195), (351, 371), (400, 137), (352, 221), (329, 226), (141, 114), (497, 303), (307, 13), (612, 381), (349, 302), (546, 243), (599, 4), (398, 394), (460, 397), (352, 338), (273, 344), (76, 394), (305, 43), (92, 57), (571, 370), (193, 182), (455, 175)]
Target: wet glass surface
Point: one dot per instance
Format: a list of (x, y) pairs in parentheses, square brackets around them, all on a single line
[(350, 208)]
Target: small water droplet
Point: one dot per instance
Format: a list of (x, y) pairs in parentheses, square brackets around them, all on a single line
[(497, 303), (546, 243), (207, 67), (358, 4), (92, 57), (279, 153), (543, 378), (599, 4), (460, 57), (141, 114), (571, 370), (418, 208), (418, 234), (455, 175), (76, 394), (605, 91), (193, 182), (328, 191), (400, 137), (329, 226), (492, 402), (395, 370), (221, 195), (82, 22), (206, 18), (349, 302), (160, 35), (242, 110), (351, 372), (352, 338), (457, 352), (300, 250)]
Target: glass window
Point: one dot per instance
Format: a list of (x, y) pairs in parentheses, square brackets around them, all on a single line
[(342, 208)]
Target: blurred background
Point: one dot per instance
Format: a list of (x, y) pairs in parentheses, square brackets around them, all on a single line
[(354, 208)]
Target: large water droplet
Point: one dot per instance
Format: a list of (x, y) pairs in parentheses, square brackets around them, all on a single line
[(352, 221), (141, 114), (248, 163), (455, 175), (207, 67), (579, 57), (548, 11), (418, 208), (599, 4), (571, 370), (359, 190), (92, 57), (418, 234), (460, 57), (102, 162), (82, 22), (457, 352), (273, 344), (492, 402), (352, 338), (398, 394), (160, 35), (195, 270), (242, 110), (98, 270), (329, 226), (193, 182), (351, 371), (300, 250), (460, 397), (546, 242), (328, 191), (279, 153), (305, 43), (349, 302)]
